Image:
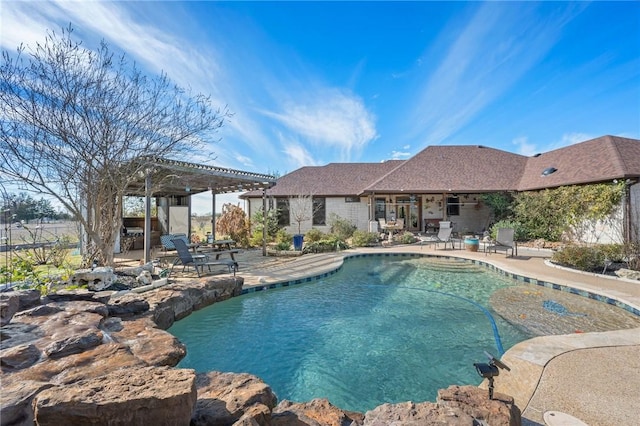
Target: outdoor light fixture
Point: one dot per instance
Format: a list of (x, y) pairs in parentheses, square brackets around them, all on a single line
[(548, 171), (490, 370)]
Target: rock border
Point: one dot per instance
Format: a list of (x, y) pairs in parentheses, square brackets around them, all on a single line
[(87, 357)]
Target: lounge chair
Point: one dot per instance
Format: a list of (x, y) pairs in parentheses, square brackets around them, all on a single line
[(198, 261), (167, 243), (444, 236), (504, 241)]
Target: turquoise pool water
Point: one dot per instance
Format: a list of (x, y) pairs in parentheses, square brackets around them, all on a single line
[(380, 330)]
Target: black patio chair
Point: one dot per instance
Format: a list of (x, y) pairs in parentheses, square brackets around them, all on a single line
[(198, 261)]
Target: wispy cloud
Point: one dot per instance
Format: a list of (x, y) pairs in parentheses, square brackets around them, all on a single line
[(198, 67), (524, 147), (571, 139), (399, 155), (329, 117), (494, 49), (298, 155)]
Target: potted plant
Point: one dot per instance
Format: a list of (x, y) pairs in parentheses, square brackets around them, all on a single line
[(302, 209)]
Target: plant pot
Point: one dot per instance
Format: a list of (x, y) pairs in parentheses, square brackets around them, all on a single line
[(471, 244), (298, 240)]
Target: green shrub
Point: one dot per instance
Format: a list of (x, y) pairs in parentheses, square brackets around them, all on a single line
[(328, 244), (313, 235), (283, 245), (257, 223), (406, 238), (589, 259), (613, 252), (519, 233), (283, 236), (256, 238), (364, 239), (341, 227)]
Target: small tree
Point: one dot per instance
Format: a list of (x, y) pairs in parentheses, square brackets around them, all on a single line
[(301, 209), (302, 206), (257, 222), (234, 222)]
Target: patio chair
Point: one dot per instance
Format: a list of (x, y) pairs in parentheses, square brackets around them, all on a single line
[(382, 223), (504, 241), (198, 261), (444, 236), (167, 243)]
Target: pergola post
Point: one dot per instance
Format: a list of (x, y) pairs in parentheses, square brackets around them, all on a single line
[(213, 214), (264, 221), (147, 216)]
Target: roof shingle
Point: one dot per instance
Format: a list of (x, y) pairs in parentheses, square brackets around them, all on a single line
[(468, 168)]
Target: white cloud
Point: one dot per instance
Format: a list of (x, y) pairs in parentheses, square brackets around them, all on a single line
[(244, 160), (573, 138), (397, 155), (493, 50), (298, 155), (524, 146), (330, 117)]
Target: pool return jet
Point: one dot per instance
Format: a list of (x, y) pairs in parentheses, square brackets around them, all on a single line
[(490, 370)]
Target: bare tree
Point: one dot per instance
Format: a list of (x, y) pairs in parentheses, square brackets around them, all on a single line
[(72, 120), (303, 207)]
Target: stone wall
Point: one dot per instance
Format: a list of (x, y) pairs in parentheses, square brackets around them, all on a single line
[(82, 357)]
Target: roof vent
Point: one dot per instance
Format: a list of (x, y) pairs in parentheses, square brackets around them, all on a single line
[(548, 171)]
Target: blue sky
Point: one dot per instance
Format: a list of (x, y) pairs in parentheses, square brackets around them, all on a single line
[(311, 83)]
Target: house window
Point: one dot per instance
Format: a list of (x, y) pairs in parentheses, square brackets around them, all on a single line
[(319, 211), (453, 206), (282, 204), (351, 199), (381, 208)]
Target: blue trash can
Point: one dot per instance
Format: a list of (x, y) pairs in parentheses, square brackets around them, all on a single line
[(298, 239)]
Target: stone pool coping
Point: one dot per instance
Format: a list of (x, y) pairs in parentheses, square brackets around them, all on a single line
[(527, 359)]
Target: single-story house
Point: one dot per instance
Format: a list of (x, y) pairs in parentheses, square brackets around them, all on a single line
[(445, 183)]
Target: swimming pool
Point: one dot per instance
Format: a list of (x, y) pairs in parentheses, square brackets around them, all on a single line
[(380, 330)]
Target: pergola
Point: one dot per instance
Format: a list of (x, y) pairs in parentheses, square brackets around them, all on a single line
[(165, 178)]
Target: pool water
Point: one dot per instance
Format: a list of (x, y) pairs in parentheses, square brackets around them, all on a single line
[(380, 330)]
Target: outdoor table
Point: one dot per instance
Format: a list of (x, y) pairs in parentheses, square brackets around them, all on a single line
[(220, 247)]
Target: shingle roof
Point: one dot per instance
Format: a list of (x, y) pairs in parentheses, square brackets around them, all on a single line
[(469, 168), (454, 169), (596, 160), (334, 179)]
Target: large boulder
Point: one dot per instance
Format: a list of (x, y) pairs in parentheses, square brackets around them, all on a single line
[(415, 414), (140, 396), (16, 301), (629, 274), (94, 362), (147, 342), (128, 304), (317, 412), (19, 357), (16, 400), (456, 405), (9, 304), (96, 279), (225, 398), (176, 301), (499, 411), (81, 295)]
